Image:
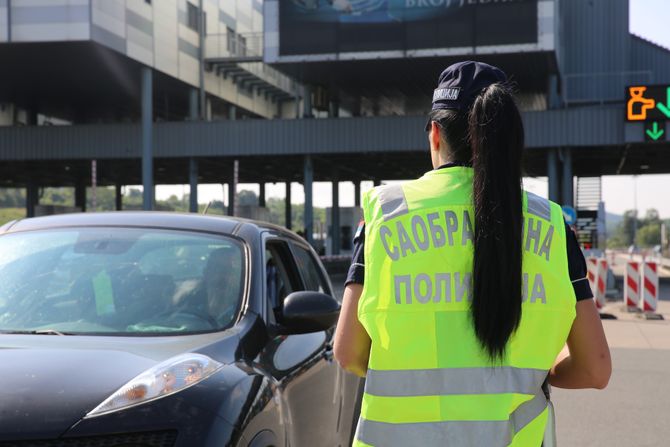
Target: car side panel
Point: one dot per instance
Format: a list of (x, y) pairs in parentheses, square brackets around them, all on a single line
[(266, 414), (265, 438)]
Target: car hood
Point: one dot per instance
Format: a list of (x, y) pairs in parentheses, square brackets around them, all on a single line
[(48, 383)]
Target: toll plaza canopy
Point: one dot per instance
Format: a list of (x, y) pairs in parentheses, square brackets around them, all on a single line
[(342, 148)]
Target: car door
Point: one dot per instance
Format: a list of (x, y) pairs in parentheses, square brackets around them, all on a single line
[(302, 364), (348, 387), (333, 390)]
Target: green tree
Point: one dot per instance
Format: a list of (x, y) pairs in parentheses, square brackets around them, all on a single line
[(105, 199), (627, 227), (651, 217), (247, 198), (643, 232), (174, 203), (216, 207), (57, 196), (12, 201), (132, 199), (277, 214), (649, 235), (12, 197), (616, 241)]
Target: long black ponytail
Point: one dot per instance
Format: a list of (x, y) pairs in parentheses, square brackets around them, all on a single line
[(497, 141), (491, 137)]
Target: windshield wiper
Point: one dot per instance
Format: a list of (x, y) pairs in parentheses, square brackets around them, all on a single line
[(37, 332), (50, 332)]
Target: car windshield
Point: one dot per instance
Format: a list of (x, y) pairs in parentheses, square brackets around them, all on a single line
[(119, 281)]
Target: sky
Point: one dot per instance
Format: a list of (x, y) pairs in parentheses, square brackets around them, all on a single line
[(648, 18)]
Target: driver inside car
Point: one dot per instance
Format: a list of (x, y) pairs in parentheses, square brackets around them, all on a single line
[(208, 303), (220, 284)]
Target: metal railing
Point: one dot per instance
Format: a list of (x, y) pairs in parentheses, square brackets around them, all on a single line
[(601, 88), (234, 46), (245, 50)]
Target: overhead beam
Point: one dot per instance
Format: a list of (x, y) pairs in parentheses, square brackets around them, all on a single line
[(289, 137)]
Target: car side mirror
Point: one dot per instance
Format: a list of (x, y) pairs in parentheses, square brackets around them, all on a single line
[(304, 312)]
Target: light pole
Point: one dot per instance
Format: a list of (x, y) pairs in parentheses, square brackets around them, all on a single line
[(634, 209)]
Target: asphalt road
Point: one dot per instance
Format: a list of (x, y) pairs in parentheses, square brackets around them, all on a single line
[(631, 411)]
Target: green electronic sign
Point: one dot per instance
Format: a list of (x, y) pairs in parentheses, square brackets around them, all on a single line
[(653, 131), (649, 104)]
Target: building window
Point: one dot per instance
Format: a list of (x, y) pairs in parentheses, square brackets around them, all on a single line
[(241, 45), (231, 42), (192, 16), (235, 43), (193, 20), (148, 2)]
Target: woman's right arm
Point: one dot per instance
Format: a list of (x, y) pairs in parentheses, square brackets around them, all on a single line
[(588, 363), (352, 342)]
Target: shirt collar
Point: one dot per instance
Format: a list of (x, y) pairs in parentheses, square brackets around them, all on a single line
[(452, 165)]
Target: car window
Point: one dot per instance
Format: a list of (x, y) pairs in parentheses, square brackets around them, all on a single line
[(279, 275), (188, 261), (309, 270), (119, 281)]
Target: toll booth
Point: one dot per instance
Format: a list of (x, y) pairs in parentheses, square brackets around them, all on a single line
[(590, 227), (350, 217)]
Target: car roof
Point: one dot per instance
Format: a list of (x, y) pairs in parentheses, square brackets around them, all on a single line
[(154, 219)]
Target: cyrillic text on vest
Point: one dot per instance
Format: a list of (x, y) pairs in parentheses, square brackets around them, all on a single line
[(437, 229)]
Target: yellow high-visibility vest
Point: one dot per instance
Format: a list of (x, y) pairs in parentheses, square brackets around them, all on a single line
[(429, 382)]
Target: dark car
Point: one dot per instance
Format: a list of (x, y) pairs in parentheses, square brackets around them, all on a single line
[(157, 329)]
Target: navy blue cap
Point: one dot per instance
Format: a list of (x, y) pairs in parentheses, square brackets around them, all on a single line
[(460, 83)]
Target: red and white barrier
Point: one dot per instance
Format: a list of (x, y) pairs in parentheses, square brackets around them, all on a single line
[(631, 285), (649, 279), (592, 272), (612, 258), (601, 283)]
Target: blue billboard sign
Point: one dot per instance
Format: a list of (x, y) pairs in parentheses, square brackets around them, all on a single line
[(329, 26)]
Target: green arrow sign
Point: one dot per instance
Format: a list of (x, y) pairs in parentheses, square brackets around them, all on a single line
[(665, 108), (655, 133)]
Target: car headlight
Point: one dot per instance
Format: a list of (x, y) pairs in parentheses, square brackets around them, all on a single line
[(164, 379)]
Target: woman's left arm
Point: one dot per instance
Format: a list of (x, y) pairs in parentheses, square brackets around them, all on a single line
[(352, 343)]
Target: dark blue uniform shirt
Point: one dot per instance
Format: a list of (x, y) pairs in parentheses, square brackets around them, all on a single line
[(576, 262)]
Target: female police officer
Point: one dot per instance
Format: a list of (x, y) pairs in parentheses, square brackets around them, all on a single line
[(469, 293)]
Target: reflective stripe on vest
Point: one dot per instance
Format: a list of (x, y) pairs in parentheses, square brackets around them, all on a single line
[(435, 382), (392, 201), (457, 433), (538, 206)]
